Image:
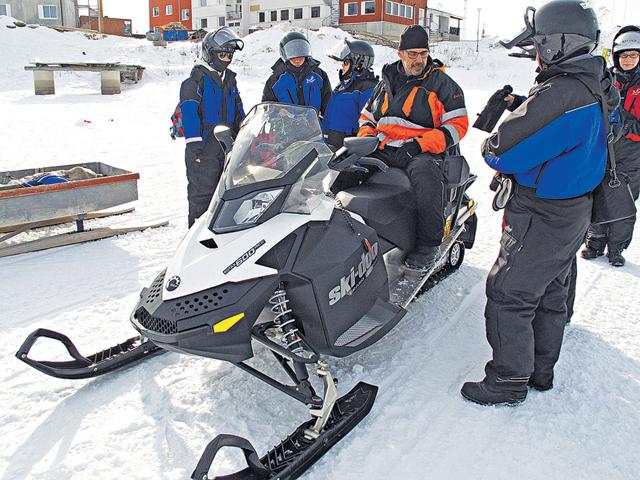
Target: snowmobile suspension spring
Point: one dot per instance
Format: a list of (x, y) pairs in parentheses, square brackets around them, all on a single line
[(285, 321)]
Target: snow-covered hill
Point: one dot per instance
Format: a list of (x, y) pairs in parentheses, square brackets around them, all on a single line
[(153, 421)]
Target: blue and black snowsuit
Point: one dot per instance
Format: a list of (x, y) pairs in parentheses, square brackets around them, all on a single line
[(555, 147), (347, 101), (307, 85), (207, 99)]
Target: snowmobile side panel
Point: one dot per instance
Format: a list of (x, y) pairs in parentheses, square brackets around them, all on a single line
[(335, 281), (114, 358)]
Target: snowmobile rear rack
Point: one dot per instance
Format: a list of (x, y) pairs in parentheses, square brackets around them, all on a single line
[(124, 354), (297, 453)]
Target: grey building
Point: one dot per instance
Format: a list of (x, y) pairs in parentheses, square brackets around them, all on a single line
[(42, 12)]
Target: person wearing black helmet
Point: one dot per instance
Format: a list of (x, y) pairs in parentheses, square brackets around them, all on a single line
[(297, 78), (357, 82), (554, 146), (616, 236), (209, 97)]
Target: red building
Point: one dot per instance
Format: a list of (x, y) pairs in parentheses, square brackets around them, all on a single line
[(390, 21), (162, 12)]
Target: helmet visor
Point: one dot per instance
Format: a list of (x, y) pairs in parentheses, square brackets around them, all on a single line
[(523, 39), (296, 48), (227, 41), (340, 52)]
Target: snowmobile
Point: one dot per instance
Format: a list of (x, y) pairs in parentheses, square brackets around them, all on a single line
[(279, 261)]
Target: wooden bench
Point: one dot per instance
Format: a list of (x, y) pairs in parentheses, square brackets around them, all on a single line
[(112, 74)]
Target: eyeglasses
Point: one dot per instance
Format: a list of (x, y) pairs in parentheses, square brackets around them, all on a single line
[(632, 56), (223, 55), (413, 55)]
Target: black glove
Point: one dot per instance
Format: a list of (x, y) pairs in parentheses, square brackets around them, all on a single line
[(193, 151), (630, 123), (405, 154)]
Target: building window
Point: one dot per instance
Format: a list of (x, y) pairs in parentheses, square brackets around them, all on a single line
[(350, 9), (398, 10), (274, 16), (315, 12), (368, 8), (204, 23), (284, 14), (221, 21), (169, 9), (5, 10), (421, 16), (185, 14), (203, 3), (156, 11), (49, 12), (297, 13), (261, 17)]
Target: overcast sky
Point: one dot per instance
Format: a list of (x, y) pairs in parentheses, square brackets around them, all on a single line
[(498, 17)]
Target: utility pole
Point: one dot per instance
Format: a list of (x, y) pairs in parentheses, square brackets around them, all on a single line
[(478, 32), (100, 20)]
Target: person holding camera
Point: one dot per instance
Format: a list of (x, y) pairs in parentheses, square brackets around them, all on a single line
[(554, 146), (616, 235)]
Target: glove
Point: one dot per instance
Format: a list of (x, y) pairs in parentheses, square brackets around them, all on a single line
[(630, 123), (405, 154), (193, 151)]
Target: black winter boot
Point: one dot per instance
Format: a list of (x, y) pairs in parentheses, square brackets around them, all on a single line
[(487, 393), (422, 257), (616, 259), (589, 253), (538, 386)]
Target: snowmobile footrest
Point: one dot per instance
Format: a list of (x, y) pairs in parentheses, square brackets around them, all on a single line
[(113, 358), (297, 453)]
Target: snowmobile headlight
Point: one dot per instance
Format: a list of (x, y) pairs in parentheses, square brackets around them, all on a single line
[(244, 212)]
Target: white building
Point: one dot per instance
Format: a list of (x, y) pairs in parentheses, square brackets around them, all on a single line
[(245, 16)]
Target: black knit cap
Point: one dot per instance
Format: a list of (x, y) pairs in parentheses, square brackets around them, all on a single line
[(414, 36)]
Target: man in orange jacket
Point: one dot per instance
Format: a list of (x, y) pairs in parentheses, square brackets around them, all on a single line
[(418, 113)]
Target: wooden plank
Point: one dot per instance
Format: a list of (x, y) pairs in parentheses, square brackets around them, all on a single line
[(17, 192), (72, 239), (67, 219)]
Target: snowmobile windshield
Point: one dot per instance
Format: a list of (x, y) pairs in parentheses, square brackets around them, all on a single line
[(278, 162)]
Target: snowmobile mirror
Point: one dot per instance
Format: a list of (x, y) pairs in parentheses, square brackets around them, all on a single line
[(361, 146), (224, 135)]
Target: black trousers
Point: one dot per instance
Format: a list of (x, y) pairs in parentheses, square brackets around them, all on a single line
[(528, 286), (426, 176), (618, 235), (202, 177)]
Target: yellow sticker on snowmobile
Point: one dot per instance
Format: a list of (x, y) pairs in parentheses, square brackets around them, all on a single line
[(227, 323)]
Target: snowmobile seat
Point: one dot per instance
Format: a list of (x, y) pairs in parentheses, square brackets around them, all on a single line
[(386, 203)]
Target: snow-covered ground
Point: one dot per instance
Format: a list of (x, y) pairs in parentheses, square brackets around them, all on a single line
[(153, 421)]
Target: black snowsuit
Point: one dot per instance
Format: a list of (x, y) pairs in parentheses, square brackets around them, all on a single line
[(206, 101), (616, 236), (528, 286)]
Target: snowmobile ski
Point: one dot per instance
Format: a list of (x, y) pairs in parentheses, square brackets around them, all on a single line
[(299, 451), (113, 358)]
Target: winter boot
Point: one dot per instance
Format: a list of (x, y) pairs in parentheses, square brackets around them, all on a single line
[(589, 253), (422, 257), (488, 393), (616, 259), (539, 386)]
